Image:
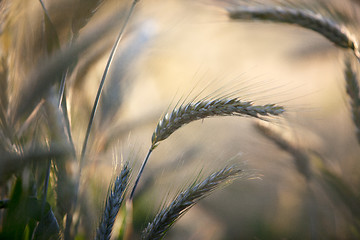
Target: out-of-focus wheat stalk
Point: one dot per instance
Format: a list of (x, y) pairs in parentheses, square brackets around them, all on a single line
[(185, 200), (119, 77), (333, 31), (11, 163), (102, 82), (6, 131), (352, 90), (301, 159), (42, 76)]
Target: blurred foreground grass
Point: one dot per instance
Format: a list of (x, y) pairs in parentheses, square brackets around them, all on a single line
[(302, 169)]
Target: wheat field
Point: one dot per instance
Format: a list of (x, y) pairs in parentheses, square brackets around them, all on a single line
[(151, 119)]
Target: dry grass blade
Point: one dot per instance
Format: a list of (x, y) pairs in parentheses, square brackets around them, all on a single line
[(119, 78), (102, 82), (185, 200), (333, 31), (113, 204), (352, 89), (208, 108)]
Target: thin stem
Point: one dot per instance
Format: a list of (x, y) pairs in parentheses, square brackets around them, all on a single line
[(97, 98), (62, 104), (44, 8), (62, 88), (45, 187), (140, 172), (68, 223)]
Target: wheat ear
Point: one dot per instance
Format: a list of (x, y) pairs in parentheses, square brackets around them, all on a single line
[(352, 89), (333, 31), (209, 108), (185, 200), (113, 204), (200, 110)]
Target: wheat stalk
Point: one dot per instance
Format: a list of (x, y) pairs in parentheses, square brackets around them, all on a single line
[(352, 89), (209, 108), (102, 82), (113, 204), (185, 200), (200, 110), (333, 31)]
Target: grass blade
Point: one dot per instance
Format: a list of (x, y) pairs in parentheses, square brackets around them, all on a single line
[(102, 82)]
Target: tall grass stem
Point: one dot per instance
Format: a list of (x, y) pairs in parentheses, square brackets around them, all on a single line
[(102, 82), (140, 172)]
